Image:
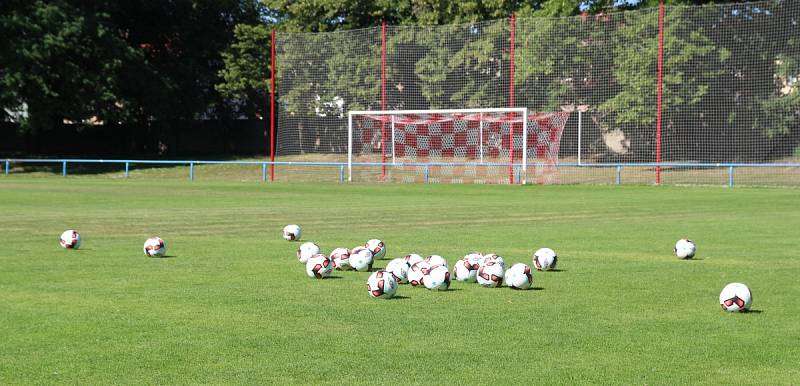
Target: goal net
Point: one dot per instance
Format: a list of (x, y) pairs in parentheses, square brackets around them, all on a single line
[(501, 145)]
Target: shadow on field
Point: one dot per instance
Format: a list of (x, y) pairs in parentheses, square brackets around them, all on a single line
[(163, 257), (398, 297), (753, 312), (529, 289), (333, 277), (556, 270)]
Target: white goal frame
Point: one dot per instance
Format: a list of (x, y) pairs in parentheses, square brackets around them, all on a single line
[(523, 111)]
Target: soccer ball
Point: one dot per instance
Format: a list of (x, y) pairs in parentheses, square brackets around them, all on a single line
[(307, 250), (495, 258), (377, 248), (435, 260), (341, 259), (399, 268), (361, 259), (319, 266), (736, 297), (490, 274), (412, 258), (291, 232), (545, 259), (437, 279), (466, 269), (70, 239), (381, 284), (685, 249), (519, 276), (417, 272), (154, 246)]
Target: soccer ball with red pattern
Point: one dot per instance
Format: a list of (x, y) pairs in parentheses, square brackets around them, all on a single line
[(377, 247), (466, 269), (545, 259), (438, 278), (361, 259), (341, 259), (736, 297), (319, 266), (381, 284), (519, 276), (399, 268), (155, 246), (291, 232), (70, 239), (307, 250), (435, 260), (493, 257), (412, 258), (491, 274), (417, 272)]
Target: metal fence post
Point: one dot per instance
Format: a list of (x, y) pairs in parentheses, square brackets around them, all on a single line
[(519, 172), (64, 168), (619, 174), (427, 171), (730, 176), (264, 172), (191, 171), (127, 167), (341, 173), (7, 162)]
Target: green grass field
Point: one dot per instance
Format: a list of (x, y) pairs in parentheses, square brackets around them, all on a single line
[(231, 304)]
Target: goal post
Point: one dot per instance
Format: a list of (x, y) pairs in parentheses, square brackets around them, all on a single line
[(479, 145)]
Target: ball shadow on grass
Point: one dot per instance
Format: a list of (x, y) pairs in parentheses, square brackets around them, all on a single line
[(528, 289)]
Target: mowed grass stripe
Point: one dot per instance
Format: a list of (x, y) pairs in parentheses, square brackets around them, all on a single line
[(233, 306)]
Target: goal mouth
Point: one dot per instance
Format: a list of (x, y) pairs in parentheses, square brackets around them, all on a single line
[(458, 145)]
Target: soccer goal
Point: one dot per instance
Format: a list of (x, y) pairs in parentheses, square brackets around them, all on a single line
[(459, 145)]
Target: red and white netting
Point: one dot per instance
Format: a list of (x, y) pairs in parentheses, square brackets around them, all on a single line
[(484, 146)]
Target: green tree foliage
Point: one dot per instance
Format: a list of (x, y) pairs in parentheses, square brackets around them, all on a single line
[(116, 61)]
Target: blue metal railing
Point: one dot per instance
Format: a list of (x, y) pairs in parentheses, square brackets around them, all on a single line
[(619, 167)]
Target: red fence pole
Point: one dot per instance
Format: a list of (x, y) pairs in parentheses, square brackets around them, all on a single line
[(272, 111), (511, 104), (383, 99), (658, 97)]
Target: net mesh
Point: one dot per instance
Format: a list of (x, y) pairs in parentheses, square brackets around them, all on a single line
[(729, 92)]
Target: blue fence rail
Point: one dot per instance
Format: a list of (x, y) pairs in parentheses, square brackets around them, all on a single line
[(619, 167)]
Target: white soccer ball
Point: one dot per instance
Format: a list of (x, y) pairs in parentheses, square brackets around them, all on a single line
[(361, 259), (545, 259), (412, 258), (438, 278), (319, 266), (291, 232), (155, 246), (307, 250), (519, 276), (490, 274), (495, 258), (399, 268), (341, 259), (435, 260), (463, 271), (70, 239), (377, 247), (685, 249), (736, 297), (381, 284), (417, 272)]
